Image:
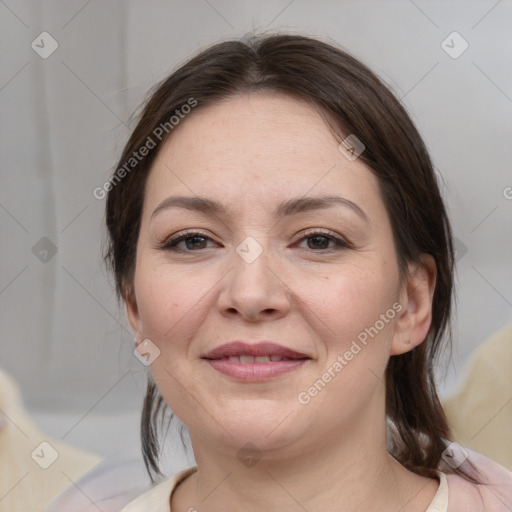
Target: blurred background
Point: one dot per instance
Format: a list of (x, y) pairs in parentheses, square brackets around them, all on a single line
[(72, 74)]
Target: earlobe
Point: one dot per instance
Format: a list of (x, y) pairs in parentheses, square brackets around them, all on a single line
[(132, 313), (416, 297)]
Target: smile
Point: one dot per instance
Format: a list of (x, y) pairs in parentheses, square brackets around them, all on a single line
[(254, 362)]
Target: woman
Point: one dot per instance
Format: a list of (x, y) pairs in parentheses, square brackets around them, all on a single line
[(278, 237)]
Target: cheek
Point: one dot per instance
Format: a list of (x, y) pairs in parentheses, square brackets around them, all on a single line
[(357, 349), (360, 311), (353, 301), (172, 304)]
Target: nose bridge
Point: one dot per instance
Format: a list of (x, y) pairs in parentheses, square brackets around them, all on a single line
[(252, 261), (253, 286)]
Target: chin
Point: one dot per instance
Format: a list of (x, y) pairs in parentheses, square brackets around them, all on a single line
[(268, 431)]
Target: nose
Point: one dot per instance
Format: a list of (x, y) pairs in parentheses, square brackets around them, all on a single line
[(254, 289)]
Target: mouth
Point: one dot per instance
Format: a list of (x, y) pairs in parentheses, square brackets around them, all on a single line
[(254, 362)]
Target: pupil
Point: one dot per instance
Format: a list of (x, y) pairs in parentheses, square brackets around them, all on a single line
[(191, 242), (321, 239)]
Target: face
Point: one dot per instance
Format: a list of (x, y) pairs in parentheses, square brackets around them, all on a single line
[(317, 282)]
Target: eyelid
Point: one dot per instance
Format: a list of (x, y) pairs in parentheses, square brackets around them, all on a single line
[(339, 240), (187, 233)]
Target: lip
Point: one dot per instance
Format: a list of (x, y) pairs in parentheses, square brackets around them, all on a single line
[(239, 348), (219, 359)]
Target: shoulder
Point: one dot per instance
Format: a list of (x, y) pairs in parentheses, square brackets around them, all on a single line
[(157, 498), (110, 485), (493, 494)]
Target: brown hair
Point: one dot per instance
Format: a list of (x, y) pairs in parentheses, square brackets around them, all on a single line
[(358, 103)]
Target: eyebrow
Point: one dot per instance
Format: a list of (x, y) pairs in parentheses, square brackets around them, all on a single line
[(290, 207)]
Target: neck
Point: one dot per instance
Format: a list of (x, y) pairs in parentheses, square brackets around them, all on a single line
[(356, 472)]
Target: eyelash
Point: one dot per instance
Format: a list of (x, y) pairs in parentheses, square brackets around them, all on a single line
[(171, 243)]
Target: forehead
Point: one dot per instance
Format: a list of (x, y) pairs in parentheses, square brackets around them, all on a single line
[(252, 147), (271, 123)]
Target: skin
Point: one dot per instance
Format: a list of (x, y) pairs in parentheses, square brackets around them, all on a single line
[(252, 152)]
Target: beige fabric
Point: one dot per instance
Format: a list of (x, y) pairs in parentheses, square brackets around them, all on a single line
[(24, 485), (480, 412), (158, 498)]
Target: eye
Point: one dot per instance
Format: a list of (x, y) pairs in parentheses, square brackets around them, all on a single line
[(319, 240), (193, 241)]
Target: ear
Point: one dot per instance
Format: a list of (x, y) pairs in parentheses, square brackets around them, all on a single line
[(416, 296), (132, 312)]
